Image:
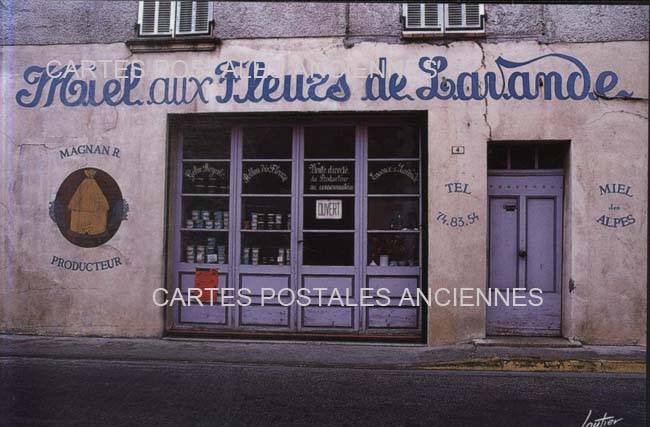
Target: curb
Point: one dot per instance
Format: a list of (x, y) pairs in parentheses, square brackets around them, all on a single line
[(537, 365)]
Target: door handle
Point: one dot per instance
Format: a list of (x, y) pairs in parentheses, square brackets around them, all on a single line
[(522, 253)]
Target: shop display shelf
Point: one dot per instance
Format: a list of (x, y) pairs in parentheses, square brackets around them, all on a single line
[(264, 231), (266, 160), (328, 231), (209, 230), (204, 160), (403, 231), (191, 266), (266, 195), (331, 159), (414, 195), (394, 159), (204, 195)]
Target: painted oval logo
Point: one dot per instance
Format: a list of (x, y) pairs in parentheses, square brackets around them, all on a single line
[(88, 208)]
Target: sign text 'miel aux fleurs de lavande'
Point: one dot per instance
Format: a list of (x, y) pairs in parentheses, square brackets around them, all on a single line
[(251, 82)]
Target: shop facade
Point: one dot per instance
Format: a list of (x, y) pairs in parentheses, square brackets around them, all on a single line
[(338, 165)]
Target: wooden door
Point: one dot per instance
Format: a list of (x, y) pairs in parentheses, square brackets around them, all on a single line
[(525, 252)]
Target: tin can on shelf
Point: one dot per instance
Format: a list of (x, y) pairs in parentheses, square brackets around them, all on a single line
[(278, 221), (209, 223), (198, 223), (205, 215), (255, 256), (212, 243), (246, 256), (190, 259), (200, 257), (196, 215), (280, 259), (288, 221), (287, 257), (247, 225), (211, 258), (226, 220), (189, 223), (254, 221)]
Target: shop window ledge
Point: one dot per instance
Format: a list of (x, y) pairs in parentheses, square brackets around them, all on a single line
[(170, 44)]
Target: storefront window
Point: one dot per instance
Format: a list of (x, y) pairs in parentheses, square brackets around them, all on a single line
[(393, 196), (266, 196), (205, 196), (333, 204), (329, 196)]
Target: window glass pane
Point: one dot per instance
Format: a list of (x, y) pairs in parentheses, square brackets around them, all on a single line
[(203, 247), (266, 177), (393, 213), (267, 142), (266, 213), (551, 156), (522, 157), (206, 177), (266, 249), (393, 177), (497, 156), (204, 230), (206, 143), (328, 249), (393, 249), (329, 142), (393, 141), (205, 213), (329, 177), (328, 214)]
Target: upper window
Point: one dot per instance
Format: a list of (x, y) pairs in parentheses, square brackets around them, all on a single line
[(526, 156), (443, 18), (174, 18)]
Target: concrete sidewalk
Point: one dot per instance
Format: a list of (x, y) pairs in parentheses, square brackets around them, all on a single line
[(500, 354)]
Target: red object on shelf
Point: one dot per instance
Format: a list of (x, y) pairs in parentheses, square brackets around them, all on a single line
[(205, 278)]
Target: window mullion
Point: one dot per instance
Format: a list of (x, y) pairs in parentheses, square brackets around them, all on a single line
[(444, 17), (463, 14), (155, 17), (173, 18)]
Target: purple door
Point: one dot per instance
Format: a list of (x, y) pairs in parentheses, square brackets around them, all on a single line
[(525, 252)]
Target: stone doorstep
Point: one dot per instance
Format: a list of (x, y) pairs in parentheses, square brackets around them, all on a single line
[(512, 341)]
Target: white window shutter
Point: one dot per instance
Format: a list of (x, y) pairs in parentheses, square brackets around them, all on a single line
[(464, 17), (156, 18), (423, 16), (193, 17), (473, 15)]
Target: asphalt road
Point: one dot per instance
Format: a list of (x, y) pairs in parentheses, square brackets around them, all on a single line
[(46, 392)]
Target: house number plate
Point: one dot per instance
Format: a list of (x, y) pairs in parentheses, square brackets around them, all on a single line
[(329, 209)]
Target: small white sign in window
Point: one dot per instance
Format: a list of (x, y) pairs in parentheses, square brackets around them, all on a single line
[(329, 209)]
